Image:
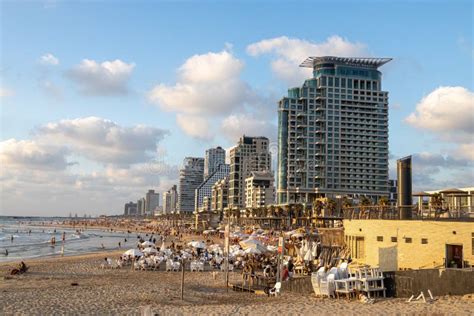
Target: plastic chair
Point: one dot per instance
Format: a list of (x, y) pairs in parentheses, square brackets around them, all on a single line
[(275, 291)]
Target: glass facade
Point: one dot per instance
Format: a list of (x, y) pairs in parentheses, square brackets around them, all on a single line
[(333, 133)]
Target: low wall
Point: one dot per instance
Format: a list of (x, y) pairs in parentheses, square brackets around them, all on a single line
[(301, 285), (438, 281), (407, 283)]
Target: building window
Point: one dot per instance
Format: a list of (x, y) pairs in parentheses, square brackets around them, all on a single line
[(424, 241), (379, 238), (473, 243), (393, 239), (408, 240)]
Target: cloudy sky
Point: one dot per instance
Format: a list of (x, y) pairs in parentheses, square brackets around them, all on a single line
[(101, 100)]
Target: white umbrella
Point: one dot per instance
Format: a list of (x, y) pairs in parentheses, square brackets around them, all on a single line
[(148, 244), (308, 256), (133, 253), (150, 250), (272, 248), (253, 244), (252, 251), (197, 244)]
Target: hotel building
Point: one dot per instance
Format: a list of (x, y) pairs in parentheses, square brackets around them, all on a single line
[(333, 132)]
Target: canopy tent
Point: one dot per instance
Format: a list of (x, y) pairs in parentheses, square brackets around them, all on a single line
[(150, 250), (133, 253), (197, 244), (148, 244)]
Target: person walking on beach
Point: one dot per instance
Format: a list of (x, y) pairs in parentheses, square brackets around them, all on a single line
[(6, 252), (11, 238), (120, 244)]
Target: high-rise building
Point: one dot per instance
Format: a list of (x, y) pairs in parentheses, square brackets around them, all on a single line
[(170, 200), (333, 132), (214, 157), (260, 189), (205, 188), (220, 195), (250, 154), (141, 207), (152, 201), (130, 209), (190, 177), (392, 189)]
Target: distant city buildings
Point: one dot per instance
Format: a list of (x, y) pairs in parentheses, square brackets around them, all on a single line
[(141, 207), (213, 159), (250, 154), (333, 132), (170, 200), (190, 177), (130, 209), (392, 191), (205, 188), (152, 201), (220, 196), (259, 189)]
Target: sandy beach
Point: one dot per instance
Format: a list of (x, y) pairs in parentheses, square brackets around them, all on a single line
[(47, 288)]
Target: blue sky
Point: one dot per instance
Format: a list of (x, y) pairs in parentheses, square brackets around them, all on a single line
[(430, 41)]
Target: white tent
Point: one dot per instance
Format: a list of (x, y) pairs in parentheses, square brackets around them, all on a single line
[(133, 253), (253, 244), (197, 244), (254, 251), (150, 250), (148, 244)]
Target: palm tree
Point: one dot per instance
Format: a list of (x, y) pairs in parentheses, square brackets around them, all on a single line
[(317, 207), (436, 201), (331, 206), (346, 205), (383, 202), (365, 203)]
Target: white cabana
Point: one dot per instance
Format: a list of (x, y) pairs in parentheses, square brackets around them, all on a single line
[(133, 253), (197, 244), (149, 251), (148, 244)]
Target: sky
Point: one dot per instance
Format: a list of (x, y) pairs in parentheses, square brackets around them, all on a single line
[(101, 100)]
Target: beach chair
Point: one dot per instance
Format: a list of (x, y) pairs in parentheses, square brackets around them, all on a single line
[(275, 291), (327, 286), (169, 265), (176, 266)]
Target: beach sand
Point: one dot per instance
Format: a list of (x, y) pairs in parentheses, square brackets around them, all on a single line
[(46, 289)]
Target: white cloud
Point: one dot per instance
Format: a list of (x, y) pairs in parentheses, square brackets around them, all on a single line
[(49, 59), (208, 88), (106, 78), (195, 126), (290, 52), (207, 84), (38, 178), (236, 125), (5, 92), (448, 112), (103, 140), (32, 155)]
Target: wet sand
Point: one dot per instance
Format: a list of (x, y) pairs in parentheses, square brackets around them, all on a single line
[(47, 288)]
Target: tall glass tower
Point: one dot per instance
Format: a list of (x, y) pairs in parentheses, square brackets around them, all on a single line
[(333, 132)]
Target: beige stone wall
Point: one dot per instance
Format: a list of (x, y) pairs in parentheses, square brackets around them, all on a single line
[(396, 255)]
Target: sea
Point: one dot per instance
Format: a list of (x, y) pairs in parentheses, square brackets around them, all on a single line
[(23, 238)]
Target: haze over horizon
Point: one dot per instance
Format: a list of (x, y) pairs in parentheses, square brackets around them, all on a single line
[(101, 101)]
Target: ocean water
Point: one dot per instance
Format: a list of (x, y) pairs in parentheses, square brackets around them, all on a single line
[(33, 241)]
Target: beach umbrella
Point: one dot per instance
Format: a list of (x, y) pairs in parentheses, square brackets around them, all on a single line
[(253, 251), (150, 250), (133, 253), (148, 244), (197, 244), (253, 244), (308, 256), (272, 248)]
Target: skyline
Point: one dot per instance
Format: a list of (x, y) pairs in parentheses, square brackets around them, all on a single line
[(92, 117)]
